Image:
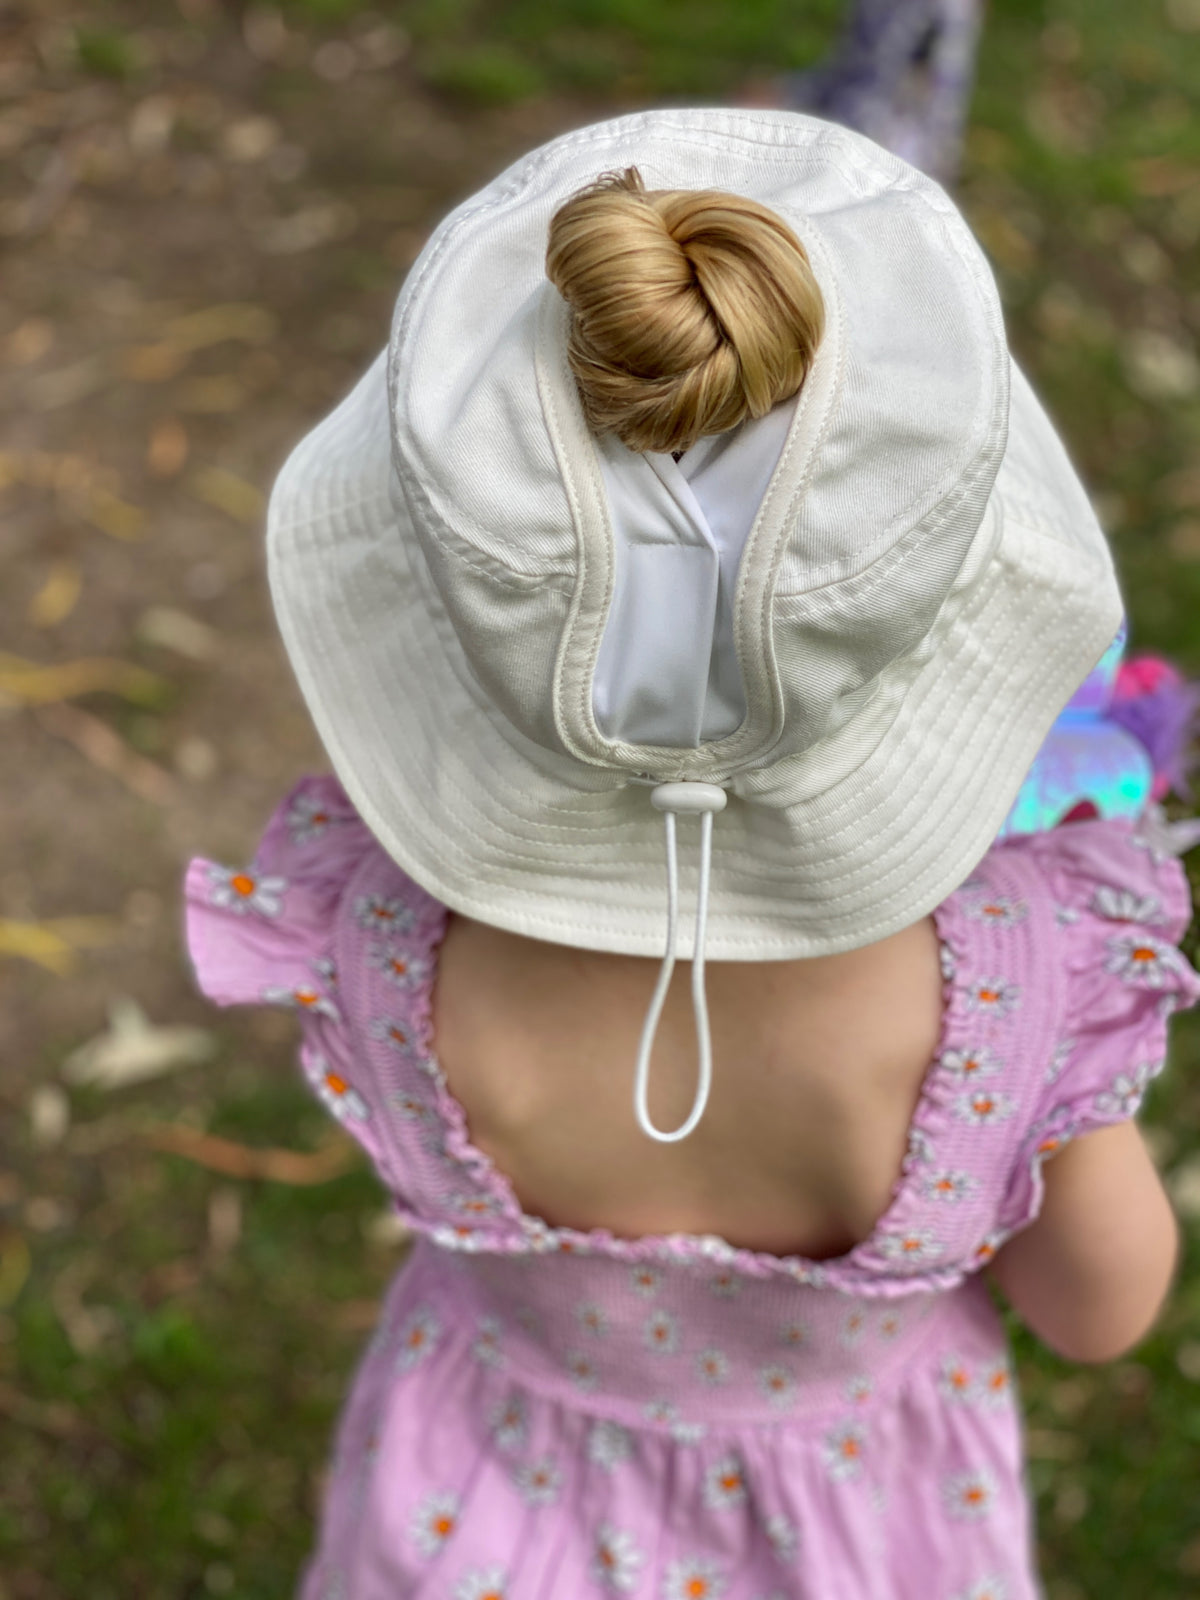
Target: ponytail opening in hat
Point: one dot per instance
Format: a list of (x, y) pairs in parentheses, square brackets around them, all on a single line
[(692, 309)]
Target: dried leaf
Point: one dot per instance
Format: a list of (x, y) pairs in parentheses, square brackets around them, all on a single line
[(57, 597), (115, 516), (14, 1265), (29, 683), (33, 941), (52, 390), (153, 363), (229, 493), (168, 448), (298, 1168), (108, 751), (175, 630), (132, 1049), (29, 341), (239, 320), (213, 396)]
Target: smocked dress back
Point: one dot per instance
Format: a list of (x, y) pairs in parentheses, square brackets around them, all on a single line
[(546, 1414)]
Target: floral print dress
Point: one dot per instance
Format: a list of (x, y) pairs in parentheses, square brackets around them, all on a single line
[(546, 1414)]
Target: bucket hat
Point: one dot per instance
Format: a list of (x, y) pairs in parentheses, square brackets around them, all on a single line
[(920, 583)]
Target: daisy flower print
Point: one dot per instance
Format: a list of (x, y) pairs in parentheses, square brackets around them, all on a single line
[(843, 1451), (782, 1537), (582, 1370), (779, 1386), (308, 818), (645, 1280), (538, 1483), (592, 1319), (661, 1333), (399, 1035), (616, 1560), (994, 997), (379, 914), (915, 1247), (725, 1484), (1142, 960), (398, 967), (304, 998), (969, 1066), (416, 1339), (712, 1366), (969, 1495), (697, 1579), (488, 1584), (509, 1423), (434, 1520), (486, 1347), (853, 1328), (1123, 905), (1123, 1097), (949, 1187), (246, 891), (995, 1384), (982, 1108), (334, 1091), (997, 911), (609, 1444), (991, 1588), (955, 1380)]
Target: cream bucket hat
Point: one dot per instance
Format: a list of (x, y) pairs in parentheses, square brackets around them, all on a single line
[(923, 587)]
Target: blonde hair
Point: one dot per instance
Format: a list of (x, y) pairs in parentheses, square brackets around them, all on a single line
[(691, 309)]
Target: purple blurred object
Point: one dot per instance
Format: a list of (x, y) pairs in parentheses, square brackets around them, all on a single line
[(1122, 743), (902, 74)]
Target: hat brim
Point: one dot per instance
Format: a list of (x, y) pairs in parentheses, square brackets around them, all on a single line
[(516, 836)]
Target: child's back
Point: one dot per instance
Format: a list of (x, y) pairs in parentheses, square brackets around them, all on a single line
[(800, 1148)]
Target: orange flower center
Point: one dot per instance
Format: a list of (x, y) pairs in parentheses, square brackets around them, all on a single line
[(989, 996), (1143, 953), (243, 883), (305, 997), (606, 1557), (697, 1587), (399, 1035), (850, 1447), (416, 1339), (443, 1526), (338, 1085), (984, 1105), (731, 1482), (912, 1244), (399, 965), (974, 1495)]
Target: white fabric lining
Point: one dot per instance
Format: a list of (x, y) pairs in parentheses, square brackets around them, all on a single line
[(667, 671)]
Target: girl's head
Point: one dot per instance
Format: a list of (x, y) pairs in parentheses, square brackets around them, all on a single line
[(691, 309), (896, 586)]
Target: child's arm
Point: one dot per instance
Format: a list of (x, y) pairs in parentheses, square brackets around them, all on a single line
[(1090, 1275)]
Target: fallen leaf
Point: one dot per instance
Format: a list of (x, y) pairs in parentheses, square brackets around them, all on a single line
[(298, 1168), (153, 363), (57, 597), (14, 1265), (132, 1049), (1159, 366), (168, 448), (33, 941), (51, 1417), (227, 492), (49, 1115), (108, 751), (242, 321), (175, 630), (115, 516), (29, 341), (29, 683), (50, 391), (211, 396)]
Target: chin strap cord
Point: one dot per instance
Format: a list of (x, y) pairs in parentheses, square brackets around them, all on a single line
[(681, 799)]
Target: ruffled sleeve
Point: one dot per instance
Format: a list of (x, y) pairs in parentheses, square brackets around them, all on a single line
[(265, 934), (1121, 904)]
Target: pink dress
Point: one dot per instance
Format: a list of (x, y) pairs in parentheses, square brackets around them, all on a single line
[(544, 1414)]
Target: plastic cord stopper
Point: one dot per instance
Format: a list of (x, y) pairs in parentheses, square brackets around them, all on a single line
[(681, 799)]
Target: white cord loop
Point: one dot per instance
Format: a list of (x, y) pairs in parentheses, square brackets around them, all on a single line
[(681, 799)]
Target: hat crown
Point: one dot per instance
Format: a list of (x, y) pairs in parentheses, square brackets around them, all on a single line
[(873, 509)]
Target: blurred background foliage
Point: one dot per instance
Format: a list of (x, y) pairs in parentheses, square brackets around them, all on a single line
[(206, 209)]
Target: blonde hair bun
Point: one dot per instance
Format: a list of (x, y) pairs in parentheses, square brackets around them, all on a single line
[(691, 309)]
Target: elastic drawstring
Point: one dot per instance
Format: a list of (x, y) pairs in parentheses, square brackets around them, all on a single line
[(681, 799)]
